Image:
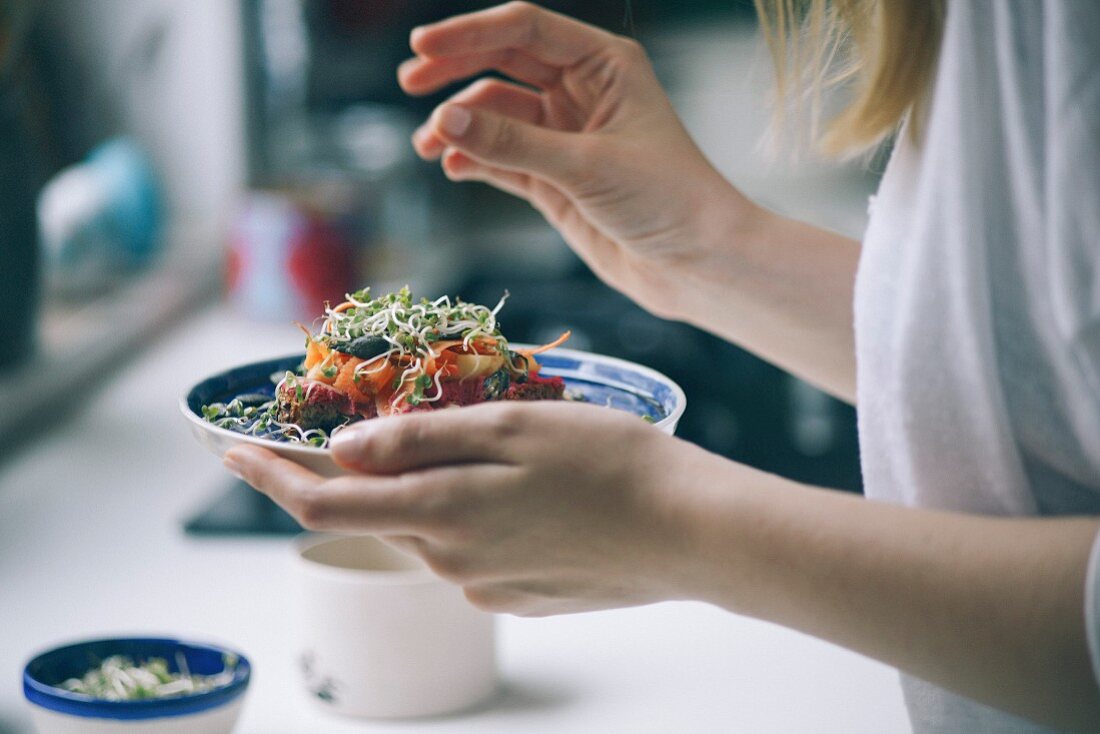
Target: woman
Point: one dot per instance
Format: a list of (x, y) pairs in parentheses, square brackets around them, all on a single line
[(974, 357)]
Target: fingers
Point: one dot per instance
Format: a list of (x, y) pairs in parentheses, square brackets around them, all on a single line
[(460, 167), (503, 98), (363, 505), (423, 76), (488, 94), (388, 446), (546, 199), (280, 479), (504, 142), (550, 37), (410, 544), (513, 598)]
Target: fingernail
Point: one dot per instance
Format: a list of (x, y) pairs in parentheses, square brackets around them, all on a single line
[(404, 66), (230, 463), (349, 443), (455, 120), (414, 34)]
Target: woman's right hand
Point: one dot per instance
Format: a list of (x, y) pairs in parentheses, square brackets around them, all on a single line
[(592, 142)]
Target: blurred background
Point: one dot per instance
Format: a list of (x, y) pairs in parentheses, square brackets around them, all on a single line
[(161, 159)]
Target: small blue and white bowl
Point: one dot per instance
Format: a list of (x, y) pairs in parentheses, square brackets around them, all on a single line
[(59, 711)]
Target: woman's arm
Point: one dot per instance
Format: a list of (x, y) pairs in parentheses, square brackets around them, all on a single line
[(591, 141), (552, 508), (782, 289), (990, 608)]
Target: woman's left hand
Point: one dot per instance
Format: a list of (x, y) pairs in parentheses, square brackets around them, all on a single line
[(533, 509)]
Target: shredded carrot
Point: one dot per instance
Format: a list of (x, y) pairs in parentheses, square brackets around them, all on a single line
[(360, 390), (315, 351), (457, 346), (546, 347)]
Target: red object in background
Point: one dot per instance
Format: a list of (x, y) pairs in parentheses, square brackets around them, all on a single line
[(321, 265), (233, 267), (286, 258)]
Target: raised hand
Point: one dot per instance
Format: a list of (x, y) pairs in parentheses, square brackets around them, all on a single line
[(587, 136)]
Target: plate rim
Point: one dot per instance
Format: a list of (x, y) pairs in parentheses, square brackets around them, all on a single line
[(672, 418)]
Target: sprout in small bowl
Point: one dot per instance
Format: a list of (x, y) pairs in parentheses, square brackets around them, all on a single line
[(110, 685)]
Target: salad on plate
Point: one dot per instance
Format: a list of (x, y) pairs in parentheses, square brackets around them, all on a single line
[(387, 355)]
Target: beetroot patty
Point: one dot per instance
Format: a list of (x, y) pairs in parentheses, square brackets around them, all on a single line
[(536, 388), (313, 405)]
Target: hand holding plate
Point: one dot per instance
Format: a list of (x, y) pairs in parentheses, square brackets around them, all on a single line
[(532, 508)]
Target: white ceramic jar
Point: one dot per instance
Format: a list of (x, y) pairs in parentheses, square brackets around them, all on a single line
[(378, 635)]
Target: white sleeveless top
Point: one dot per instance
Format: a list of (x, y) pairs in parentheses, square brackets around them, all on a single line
[(977, 305)]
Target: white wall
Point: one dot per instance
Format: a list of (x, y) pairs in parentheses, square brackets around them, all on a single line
[(182, 98)]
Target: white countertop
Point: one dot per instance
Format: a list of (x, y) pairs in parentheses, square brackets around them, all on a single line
[(91, 544)]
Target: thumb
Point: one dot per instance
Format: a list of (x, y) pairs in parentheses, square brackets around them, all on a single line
[(504, 142)]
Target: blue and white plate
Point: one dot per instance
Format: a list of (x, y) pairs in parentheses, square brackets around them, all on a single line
[(600, 380)]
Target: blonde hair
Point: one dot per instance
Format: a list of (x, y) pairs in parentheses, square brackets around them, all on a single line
[(886, 49)]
